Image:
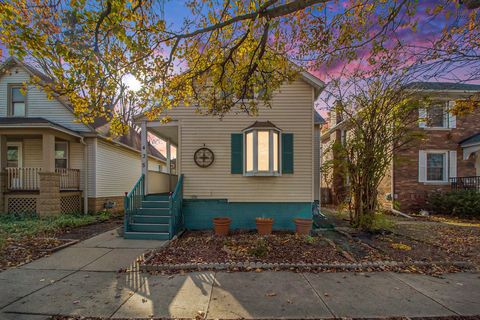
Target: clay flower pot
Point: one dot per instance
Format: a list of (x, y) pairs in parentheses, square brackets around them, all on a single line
[(264, 226), (303, 226), (221, 225)]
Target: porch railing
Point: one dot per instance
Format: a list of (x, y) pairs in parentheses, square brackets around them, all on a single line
[(23, 178), (465, 183), (133, 200), (175, 205), (69, 178)]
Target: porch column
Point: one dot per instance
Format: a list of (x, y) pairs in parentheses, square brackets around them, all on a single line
[(3, 165), (144, 134), (49, 197), (169, 157)]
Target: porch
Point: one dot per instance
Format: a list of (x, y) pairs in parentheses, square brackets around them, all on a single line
[(40, 170)]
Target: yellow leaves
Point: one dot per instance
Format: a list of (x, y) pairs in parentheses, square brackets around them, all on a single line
[(400, 246)]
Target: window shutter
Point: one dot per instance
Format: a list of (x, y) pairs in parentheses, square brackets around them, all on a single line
[(422, 117), (287, 152), (452, 163), (422, 169), (452, 119), (237, 153)]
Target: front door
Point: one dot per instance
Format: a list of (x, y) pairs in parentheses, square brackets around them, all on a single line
[(14, 161)]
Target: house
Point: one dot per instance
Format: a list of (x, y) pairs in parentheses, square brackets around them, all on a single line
[(238, 166), (447, 155), (50, 163)]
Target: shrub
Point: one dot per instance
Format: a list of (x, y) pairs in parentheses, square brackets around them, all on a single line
[(463, 203)]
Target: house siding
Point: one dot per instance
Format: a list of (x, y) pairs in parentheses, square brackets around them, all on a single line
[(117, 169), (316, 163), (38, 104), (410, 195), (292, 111)]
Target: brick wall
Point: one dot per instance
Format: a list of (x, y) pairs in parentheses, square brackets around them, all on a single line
[(98, 204), (410, 194)]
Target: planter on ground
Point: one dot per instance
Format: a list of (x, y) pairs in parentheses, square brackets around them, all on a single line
[(221, 225), (303, 226), (264, 226)]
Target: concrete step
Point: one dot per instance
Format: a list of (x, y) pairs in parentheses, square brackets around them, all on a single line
[(146, 235), (155, 204), (146, 218), (149, 227)]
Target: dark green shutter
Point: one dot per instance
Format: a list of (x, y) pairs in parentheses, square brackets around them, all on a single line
[(237, 153), (287, 152)]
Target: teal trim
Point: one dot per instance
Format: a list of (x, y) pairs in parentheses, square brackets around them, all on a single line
[(199, 213), (287, 152), (237, 153)]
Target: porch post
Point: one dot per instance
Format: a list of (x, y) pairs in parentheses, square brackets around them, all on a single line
[(49, 197), (3, 165), (169, 157), (144, 134)]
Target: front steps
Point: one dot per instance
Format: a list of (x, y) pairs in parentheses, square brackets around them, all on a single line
[(152, 220)]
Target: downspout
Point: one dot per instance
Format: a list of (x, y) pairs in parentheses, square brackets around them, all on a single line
[(85, 175)]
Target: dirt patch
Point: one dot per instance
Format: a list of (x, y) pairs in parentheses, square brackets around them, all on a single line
[(26, 249), (280, 247)]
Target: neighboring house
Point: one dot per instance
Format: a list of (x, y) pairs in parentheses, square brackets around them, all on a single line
[(49, 161), (447, 156), (239, 166)]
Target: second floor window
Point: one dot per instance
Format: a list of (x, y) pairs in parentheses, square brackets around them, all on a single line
[(437, 116), (17, 102)]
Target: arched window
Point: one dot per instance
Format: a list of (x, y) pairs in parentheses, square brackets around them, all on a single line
[(262, 149)]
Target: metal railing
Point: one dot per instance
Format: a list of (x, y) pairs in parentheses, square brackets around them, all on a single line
[(133, 200), (23, 178), (465, 183), (175, 205), (69, 178)]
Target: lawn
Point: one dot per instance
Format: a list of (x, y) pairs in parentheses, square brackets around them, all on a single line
[(27, 237)]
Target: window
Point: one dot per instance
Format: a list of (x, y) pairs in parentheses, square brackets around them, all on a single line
[(61, 154), (437, 116), (436, 166), (17, 101), (12, 156), (262, 149)]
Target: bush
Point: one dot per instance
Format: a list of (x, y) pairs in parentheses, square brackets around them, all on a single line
[(462, 203)]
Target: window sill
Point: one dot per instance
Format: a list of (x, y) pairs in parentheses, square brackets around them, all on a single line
[(262, 174), (437, 129)]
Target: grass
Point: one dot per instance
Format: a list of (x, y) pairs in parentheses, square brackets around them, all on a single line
[(17, 226)]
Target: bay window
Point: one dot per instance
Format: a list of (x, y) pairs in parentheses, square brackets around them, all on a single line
[(262, 149)]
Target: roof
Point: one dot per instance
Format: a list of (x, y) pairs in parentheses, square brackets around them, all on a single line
[(261, 124), (132, 139), (315, 82), (475, 139), (317, 118), (444, 86), (35, 122)]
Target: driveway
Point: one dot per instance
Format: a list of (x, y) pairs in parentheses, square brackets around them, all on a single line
[(99, 277)]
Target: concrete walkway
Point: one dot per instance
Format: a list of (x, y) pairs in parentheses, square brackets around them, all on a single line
[(84, 280)]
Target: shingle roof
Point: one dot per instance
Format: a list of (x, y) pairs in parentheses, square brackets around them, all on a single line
[(444, 86), (11, 121), (471, 140), (317, 118), (261, 124)]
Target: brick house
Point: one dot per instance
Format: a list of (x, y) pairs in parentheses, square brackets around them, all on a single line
[(447, 155)]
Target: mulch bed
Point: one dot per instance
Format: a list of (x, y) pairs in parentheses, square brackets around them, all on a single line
[(280, 247), (20, 251)]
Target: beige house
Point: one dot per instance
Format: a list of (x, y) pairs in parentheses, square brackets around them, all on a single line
[(52, 164)]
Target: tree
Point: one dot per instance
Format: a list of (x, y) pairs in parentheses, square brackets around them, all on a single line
[(378, 113), (227, 51)]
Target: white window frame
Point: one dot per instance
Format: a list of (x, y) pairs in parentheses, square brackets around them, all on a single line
[(11, 109), (445, 154), (67, 151), (449, 120), (255, 171)]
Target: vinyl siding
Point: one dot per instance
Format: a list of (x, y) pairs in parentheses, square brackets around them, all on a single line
[(92, 172), (316, 162), (76, 160), (38, 105), (292, 112), (32, 153), (117, 169)]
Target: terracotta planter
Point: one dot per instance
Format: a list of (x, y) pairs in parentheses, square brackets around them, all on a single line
[(221, 225), (303, 226), (264, 226)]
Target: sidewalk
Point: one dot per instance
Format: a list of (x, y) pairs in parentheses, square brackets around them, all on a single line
[(84, 280)]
